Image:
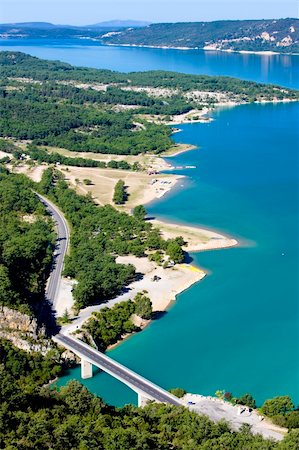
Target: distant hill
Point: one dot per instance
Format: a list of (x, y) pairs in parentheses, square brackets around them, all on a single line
[(120, 24), (30, 25), (281, 35), (45, 30)]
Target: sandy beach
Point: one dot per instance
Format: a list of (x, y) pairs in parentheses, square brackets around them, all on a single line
[(198, 239), (171, 281), (193, 116)]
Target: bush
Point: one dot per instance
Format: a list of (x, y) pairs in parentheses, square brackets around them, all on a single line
[(178, 392), (120, 194), (277, 405), (246, 400), (143, 306)]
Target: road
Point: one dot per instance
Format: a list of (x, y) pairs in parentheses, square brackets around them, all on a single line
[(122, 373), (95, 357), (212, 407), (62, 243)]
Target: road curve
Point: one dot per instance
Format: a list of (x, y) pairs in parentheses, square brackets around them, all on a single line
[(117, 370), (62, 243)]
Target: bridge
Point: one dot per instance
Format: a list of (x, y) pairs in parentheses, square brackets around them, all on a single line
[(145, 389)]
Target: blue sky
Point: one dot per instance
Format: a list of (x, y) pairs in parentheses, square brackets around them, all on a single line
[(81, 12)]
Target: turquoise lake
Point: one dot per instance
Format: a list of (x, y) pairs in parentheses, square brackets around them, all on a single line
[(280, 69), (238, 328)]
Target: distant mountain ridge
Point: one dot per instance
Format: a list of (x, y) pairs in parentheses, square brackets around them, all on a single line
[(29, 25), (105, 24), (46, 30), (121, 24), (275, 35), (281, 35)]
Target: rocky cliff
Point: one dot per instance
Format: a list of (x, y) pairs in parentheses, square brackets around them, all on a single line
[(23, 331)]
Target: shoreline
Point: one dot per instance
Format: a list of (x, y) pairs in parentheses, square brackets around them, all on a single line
[(175, 280), (206, 48), (172, 281), (169, 154)]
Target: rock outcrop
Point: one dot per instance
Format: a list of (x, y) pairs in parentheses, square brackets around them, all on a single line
[(23, 331)]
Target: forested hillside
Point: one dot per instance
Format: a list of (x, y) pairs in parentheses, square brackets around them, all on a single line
[(88, 110), (26, 244), (36, 417), (281, 35)]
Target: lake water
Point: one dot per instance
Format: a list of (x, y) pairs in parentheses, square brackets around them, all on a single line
[(238, 329), (280, 69)]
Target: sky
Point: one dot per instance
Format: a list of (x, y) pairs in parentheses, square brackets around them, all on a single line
[(84, 12)]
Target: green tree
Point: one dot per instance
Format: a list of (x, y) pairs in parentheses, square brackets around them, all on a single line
[(7, 294), (290, 442), (277, 405), (139, 212), (247, 400), (143, 306), (65, 318), (174, 251), (120, 194), (178, 392)]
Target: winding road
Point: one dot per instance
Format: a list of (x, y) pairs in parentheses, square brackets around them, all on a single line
[(52, 288)]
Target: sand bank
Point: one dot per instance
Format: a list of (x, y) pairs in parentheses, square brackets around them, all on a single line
[(172, 282), (195, 115), (198, 239)]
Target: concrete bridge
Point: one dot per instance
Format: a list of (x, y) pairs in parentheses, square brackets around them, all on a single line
[(145, 389)]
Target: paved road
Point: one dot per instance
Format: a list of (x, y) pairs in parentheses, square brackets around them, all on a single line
[(62, 243), (95, 357), (117, 370)]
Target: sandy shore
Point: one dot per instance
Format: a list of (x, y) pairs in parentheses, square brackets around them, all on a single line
[(206, 47), (195, 115), (177, 150), (198, 239), (172, 282)]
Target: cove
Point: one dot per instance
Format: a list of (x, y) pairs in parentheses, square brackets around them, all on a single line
[(237, 329)]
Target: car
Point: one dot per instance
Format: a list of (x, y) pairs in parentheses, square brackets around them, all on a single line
[(156, 278), (190, 403)]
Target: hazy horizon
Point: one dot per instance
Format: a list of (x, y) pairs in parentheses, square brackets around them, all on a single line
[(79, 13), (137, 20)]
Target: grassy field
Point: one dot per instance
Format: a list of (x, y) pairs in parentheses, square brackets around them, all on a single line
[(141, 187)]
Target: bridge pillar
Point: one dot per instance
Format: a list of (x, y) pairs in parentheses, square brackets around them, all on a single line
[(142, 400), (86, 369)]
